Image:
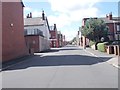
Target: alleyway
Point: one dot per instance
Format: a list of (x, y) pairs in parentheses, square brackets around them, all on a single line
[(68, 67)]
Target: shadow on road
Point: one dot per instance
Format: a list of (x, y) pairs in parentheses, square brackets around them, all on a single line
[(61, 60)]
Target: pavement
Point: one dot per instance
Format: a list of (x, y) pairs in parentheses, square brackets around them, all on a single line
[(114, 60)]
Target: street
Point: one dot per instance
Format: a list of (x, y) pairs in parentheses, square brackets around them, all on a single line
[(67, 67)]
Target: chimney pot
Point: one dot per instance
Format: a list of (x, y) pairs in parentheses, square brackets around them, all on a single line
[(110, 16), (30, 15), (54, 26), (106, 16), (43, 15), (27, 15)]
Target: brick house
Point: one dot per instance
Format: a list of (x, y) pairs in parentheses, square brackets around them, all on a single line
[(53, 37), (60, 39), (64, 40), (34, 40), (13, 41), (114, 28), (37, 33)]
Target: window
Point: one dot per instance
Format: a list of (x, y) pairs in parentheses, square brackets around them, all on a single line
[(118, 28), (33, 32)]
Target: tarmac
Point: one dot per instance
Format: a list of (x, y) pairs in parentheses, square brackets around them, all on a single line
[(114, 59)]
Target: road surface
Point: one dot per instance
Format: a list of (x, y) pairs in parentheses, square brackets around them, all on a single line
[(67, 67)]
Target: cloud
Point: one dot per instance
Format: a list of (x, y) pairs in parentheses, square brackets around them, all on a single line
[(67, 12), (61, 20), (67, 6), (70, 12), (69, 33), (74, 9), (26, 9), (35, 13)]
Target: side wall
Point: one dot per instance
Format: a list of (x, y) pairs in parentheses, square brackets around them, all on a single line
[(0, 32), (45, 41), (32, 43), (13, 41), (111, 30)]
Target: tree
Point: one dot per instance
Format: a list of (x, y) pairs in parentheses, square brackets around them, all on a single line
[(95, 29)]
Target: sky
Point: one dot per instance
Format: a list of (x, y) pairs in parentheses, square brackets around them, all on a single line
[(68, 14)]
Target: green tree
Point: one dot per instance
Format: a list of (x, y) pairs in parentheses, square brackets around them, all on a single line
[(95, 29)]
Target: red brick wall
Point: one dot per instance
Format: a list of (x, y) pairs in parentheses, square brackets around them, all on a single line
[(13, 41), (54, 36), (111, 30), (32, 42), (0, 32)]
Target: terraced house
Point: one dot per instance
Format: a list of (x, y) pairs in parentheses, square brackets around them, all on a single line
[(37, 33), (114, 28)]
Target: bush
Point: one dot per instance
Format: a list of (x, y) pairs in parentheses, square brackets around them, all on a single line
[(101, 47), (91, 43)]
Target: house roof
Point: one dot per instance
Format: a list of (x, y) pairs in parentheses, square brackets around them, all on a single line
[(106, 20), (33, 21), (22, 3), (51, 28)]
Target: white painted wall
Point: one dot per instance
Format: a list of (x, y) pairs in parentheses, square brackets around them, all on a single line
[(44, 29), (44, 41)]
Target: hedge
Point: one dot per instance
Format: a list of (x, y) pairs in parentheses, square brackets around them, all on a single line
[(101, 47)]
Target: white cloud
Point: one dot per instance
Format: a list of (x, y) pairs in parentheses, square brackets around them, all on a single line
[(36, 13), (69, 33), (66, 12), (27, 9), (68, 5), (71, 11), (61, 20)]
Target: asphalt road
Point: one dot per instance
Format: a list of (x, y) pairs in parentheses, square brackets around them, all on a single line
[(68, 67)]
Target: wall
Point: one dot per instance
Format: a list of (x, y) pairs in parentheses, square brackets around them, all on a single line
[(36, 43), (0, 31), (33, 42), (111, 30), (13, 41), (46, 35), (42, 28), (54, 39)]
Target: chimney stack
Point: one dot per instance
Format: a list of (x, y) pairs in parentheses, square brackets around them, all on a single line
[(110, 16), (27, 15), (78, 33), (30, 15), (43, 15), (54, 26), (106, 16)]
